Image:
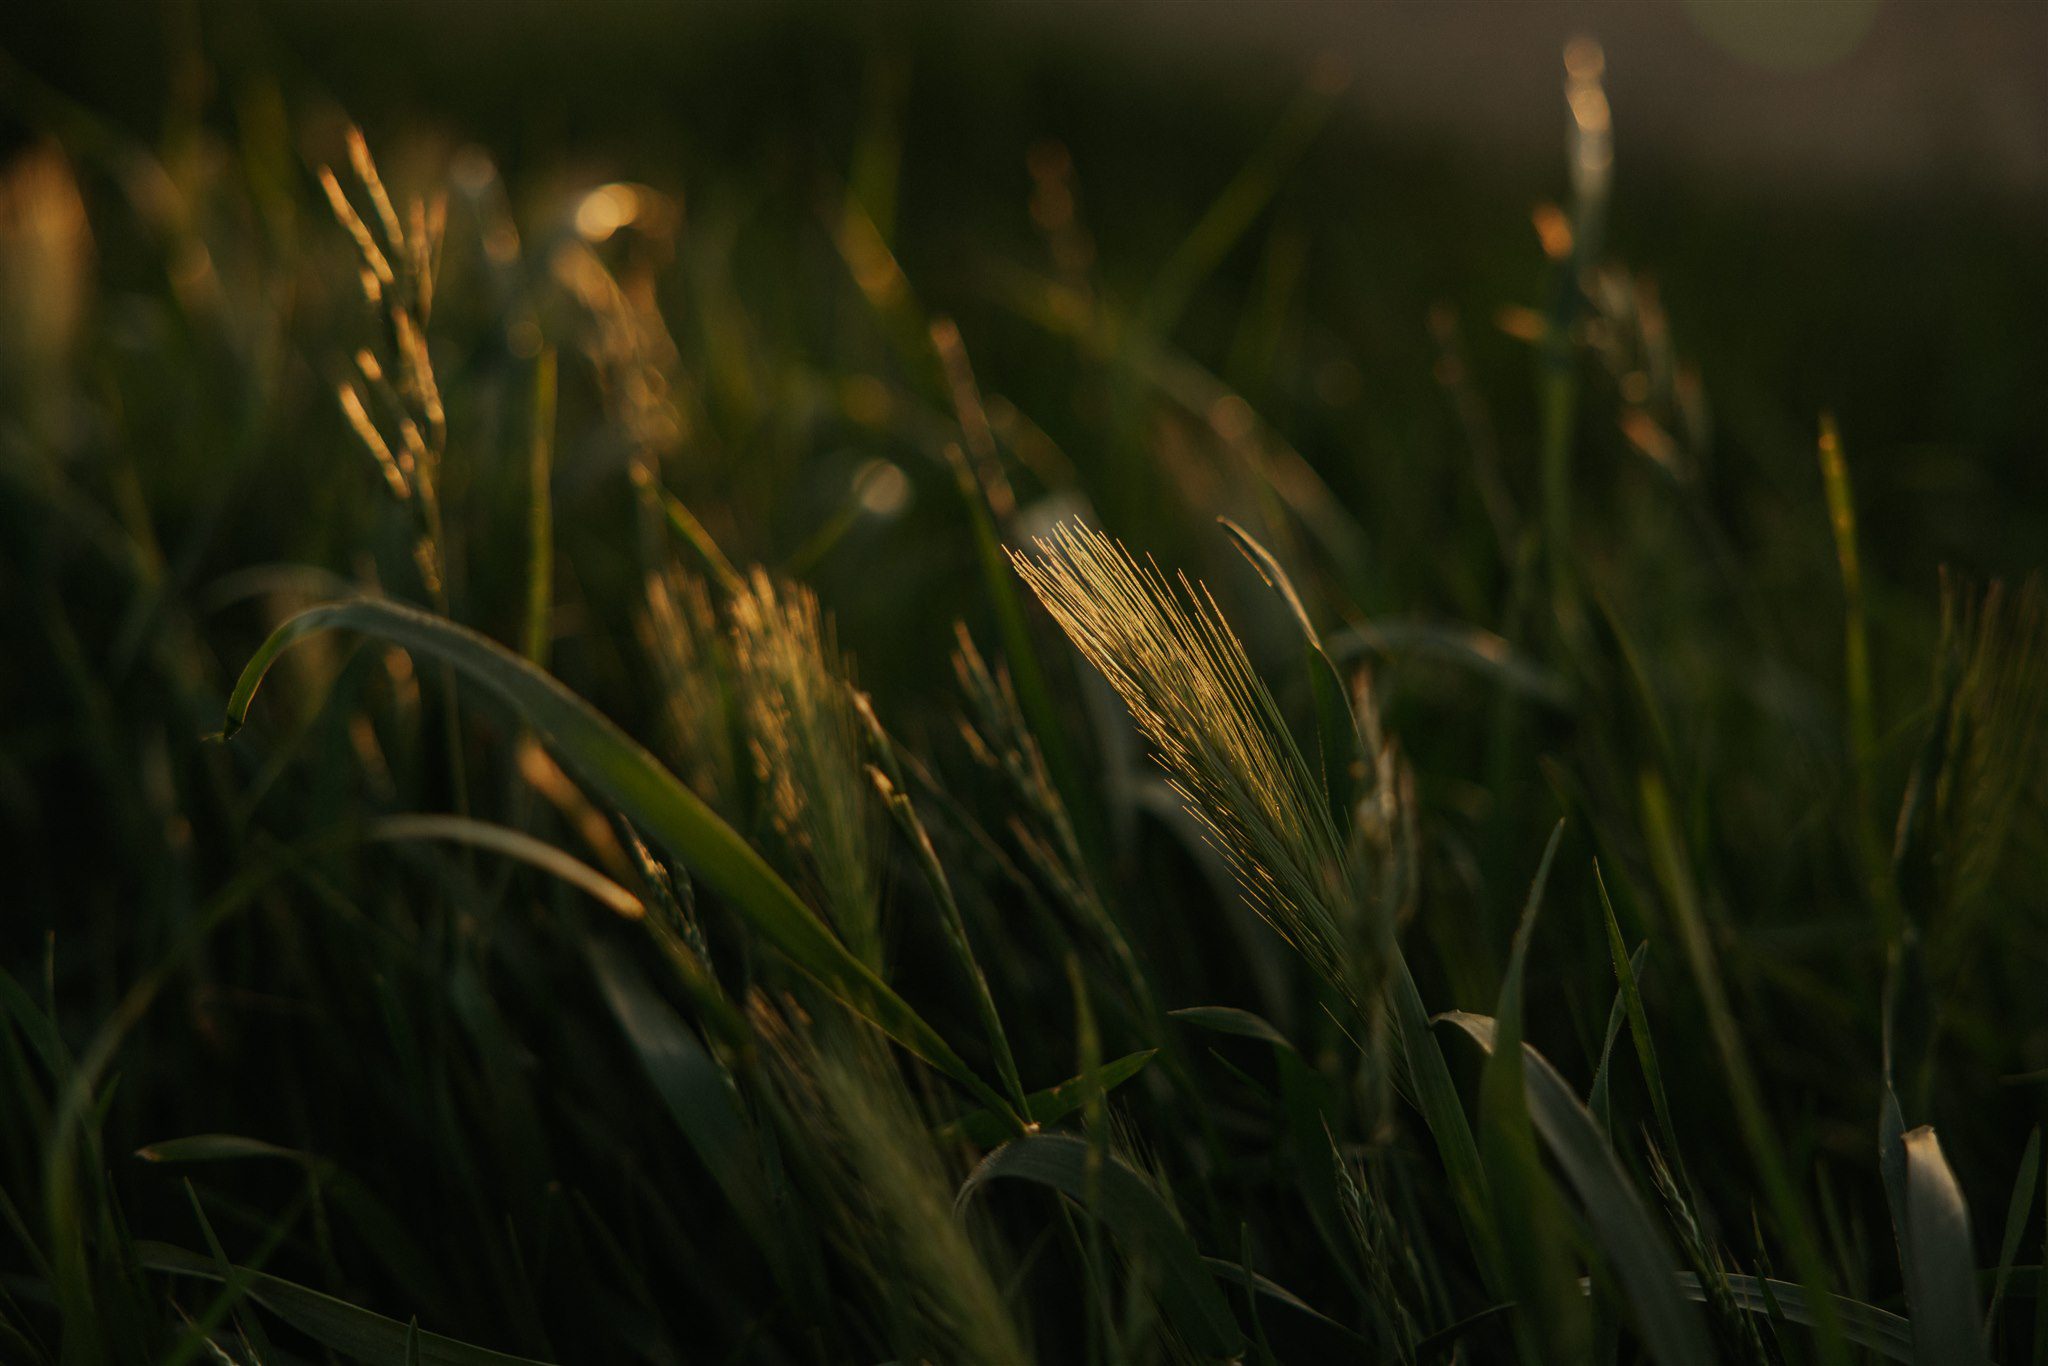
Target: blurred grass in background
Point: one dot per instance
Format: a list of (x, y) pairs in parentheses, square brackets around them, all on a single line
[(857, 301)]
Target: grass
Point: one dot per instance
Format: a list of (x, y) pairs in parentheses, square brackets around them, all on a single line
[(609, 770)]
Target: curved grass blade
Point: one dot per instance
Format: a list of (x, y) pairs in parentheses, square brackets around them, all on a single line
[(516, 844), (1865, 1325), (1637, 1250), (1469, 647), (1130, 1207), (693, 1088), (1280, 1294), (2016, 1214), (1231, 1020), (633, 781), (986, 1128), (355, 1332), (1439, 1344), (1941, 1282)]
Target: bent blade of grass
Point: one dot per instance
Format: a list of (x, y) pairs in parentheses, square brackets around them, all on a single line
[(1238, 1275), (1127, 1203), (515, 844), (692, 1087), (1941, 1283), (1637, 1250), (346, 1328), (1482, 652), (647, 794), (1231, 1020), (986, 1128), (1865, 1325)]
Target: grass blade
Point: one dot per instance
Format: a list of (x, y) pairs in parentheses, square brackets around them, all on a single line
[(986, 1128), (540, 523), (1637, 1250), (516, 844), (2016, 1215), (1941, 1283), (356, 1332), (1865, 1325), (1127, 1203), (1536, 1252)]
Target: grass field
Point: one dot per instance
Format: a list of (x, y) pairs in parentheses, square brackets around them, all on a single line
[(940, 709)]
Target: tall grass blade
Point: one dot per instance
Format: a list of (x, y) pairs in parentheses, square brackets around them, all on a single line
[(694, 1089), (1535, 1249), (2017, 1212), (1127, 1203), (540, 519), (1637, 1251), (1667, 857)]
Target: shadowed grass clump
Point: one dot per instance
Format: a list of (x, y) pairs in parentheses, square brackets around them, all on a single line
[(1486, 930)]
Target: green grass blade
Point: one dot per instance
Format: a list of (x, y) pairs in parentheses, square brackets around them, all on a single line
[(1667, 857), (986, 1128), (1231, 1020), (355, 1332), (1941, 1283), (692, 1087), (1864, 1325), (2017, 1213), (1536, 1251), (1237, 1275), (1339, 741), (1599, 1097), (1855, 643), (627, 777), (1238, 205), (1128, 1205), (1472, 648), (684, 523), (1627, 977), (540, 517), (225, 1148), (514, 844), (1637, 1250), (1437, 1098)]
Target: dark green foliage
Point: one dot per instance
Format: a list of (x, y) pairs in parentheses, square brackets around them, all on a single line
[(678, 896)]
